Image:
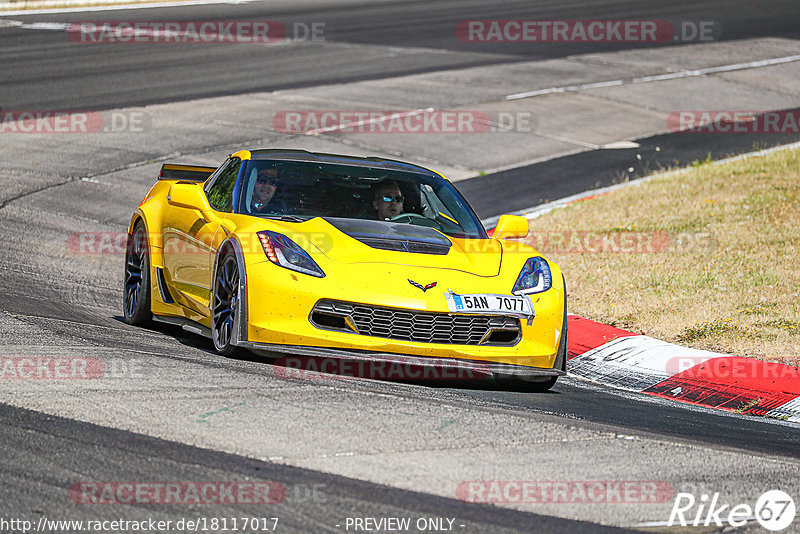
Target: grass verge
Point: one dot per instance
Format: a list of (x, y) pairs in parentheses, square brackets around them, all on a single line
[(707, 258)]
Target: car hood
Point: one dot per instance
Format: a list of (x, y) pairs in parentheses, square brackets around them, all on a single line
[(365, 241)]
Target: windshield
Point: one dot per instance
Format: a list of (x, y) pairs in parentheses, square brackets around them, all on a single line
[(302, 190)]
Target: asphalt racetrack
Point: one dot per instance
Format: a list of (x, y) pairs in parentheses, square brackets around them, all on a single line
[(171, 410)]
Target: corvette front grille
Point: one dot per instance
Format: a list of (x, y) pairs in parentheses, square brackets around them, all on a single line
[(414, 325)]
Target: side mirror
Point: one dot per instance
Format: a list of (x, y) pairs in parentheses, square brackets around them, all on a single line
[(192, 196), (510, 227), (189, 196)]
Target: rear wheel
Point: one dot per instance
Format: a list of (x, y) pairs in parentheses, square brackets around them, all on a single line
[(225, 311), (136, 298)]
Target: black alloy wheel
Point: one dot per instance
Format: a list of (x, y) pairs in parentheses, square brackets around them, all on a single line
[(136, 298), (226, 304)]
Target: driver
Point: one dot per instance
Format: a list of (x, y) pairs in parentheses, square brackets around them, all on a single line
[(264, 200), (388, 201)]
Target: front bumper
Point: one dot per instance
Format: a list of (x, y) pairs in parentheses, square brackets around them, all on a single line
[(280, 302)]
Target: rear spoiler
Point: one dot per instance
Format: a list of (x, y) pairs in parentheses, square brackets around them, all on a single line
[(191, 173)]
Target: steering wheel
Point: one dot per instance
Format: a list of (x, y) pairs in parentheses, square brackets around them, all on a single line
[(415, 218), (409, 216)]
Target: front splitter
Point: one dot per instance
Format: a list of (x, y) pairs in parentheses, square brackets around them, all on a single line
[(387, 365)]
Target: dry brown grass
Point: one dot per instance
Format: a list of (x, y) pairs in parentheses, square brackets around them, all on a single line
[(724, 270)]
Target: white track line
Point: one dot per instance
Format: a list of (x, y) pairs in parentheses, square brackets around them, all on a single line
[(658, 77), (565, 89), (120, 7), (537, 211)]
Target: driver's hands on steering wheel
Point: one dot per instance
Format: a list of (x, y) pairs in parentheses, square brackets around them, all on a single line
[(416, 218), (410, 216)]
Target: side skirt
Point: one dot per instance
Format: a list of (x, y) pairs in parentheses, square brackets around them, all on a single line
[(187, 324)]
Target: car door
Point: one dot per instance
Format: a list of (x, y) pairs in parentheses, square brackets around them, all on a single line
[(191, 239)]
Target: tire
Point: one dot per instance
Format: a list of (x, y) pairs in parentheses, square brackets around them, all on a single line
[(136, 294), (225, 312), (561, 356)]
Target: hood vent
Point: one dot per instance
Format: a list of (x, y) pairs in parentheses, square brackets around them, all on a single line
[(394, 236), (407, 246)]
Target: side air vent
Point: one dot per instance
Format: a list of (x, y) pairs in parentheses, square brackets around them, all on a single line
[(162, 286)]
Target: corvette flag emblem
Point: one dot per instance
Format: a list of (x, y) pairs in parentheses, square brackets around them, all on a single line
[(420, 286)]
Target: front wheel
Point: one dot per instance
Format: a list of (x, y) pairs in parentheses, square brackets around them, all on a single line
[(136, 298), (225, 311)]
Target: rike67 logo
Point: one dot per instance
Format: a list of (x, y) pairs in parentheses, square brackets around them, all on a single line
[(774, 510)]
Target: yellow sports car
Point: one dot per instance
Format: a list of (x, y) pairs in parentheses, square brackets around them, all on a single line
[(322, 255)]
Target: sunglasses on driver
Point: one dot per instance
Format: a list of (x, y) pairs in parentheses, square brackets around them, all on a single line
[(271, 180)]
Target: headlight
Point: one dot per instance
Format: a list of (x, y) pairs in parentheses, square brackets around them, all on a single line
[(535, 277), (282, 251)]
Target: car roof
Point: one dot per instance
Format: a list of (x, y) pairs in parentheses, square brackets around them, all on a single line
[(320, 157)]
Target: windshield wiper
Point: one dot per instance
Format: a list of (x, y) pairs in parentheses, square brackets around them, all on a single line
[(287, 218)]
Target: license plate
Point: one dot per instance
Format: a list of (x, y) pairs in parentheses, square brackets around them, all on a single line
[(489, 304)]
